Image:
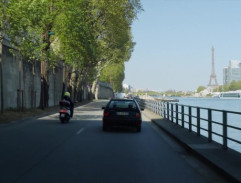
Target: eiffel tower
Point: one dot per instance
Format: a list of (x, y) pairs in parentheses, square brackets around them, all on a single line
[(213, 75)]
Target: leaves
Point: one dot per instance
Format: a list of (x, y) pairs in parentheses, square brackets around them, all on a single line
[(200, 88), (90, 35)]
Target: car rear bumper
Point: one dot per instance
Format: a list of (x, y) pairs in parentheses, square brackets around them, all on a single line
[(115, 122)]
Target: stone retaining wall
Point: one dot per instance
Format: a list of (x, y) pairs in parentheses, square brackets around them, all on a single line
[(22, 83), (104, 91)]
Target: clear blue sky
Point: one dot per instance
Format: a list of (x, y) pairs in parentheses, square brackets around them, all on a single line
[(174, 39)]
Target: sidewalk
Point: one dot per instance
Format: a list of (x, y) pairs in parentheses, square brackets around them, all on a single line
[(11, 116), (227, 162)]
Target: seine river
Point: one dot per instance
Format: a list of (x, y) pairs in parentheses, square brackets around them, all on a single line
[(214, 103), (221, 104)]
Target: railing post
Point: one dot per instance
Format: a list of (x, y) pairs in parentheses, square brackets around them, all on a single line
[(156, 106), (177, 114), (164, 109), (190, 118), (225, 146), (182, 116), (157, 111), (168, 110), (198, 121), (172, 111), (209, 125), (161, 109)]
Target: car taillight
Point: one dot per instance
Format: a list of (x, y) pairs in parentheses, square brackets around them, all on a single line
[(106, 113), (138, 115), (63, 111)]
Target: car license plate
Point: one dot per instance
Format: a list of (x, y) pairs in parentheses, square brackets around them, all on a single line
[(62, 115), (122, 113)]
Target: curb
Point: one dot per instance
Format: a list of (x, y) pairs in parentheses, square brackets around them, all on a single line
[(220, 169)]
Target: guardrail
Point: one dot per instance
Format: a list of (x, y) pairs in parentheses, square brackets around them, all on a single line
[(211, 123)]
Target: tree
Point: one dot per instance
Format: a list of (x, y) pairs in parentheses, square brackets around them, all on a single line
[(114, 74), (200, 88), (115, 40), (87, 35), (3, 27), (234, 85), (221, 88), (30, 25)]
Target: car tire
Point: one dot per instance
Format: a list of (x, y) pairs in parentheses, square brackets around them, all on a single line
[(104, 128), (138, 128)]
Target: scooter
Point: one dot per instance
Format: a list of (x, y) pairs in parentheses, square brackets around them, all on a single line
[(64, 113)]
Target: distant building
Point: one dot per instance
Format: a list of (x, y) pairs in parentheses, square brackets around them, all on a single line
[(232, 72), (128, 87)]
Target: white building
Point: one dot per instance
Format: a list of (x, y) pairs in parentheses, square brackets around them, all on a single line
[(129, 87), (125, 86), (232, 72)]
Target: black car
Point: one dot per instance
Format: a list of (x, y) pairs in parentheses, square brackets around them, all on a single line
[(122, 112)]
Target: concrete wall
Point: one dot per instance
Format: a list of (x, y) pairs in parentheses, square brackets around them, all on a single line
[(104, 91), (11, 78), (32, 84), (55, 85), (22, 82)]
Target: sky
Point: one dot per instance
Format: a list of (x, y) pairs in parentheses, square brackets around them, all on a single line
[(174, 40)]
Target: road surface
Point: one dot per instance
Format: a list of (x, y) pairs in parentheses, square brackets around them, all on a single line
[(44, 151)]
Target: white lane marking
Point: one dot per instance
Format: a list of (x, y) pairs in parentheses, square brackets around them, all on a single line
[(80, 130)]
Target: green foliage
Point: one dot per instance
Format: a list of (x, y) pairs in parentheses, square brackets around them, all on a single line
[(114, 74), (151, 93), (209, 95), (234, 85), (169, 93), (88, 35), (200, 88), (3, 18), (224, 88), (29, 25)]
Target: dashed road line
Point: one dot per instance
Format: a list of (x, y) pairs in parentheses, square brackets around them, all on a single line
[(80, 131)]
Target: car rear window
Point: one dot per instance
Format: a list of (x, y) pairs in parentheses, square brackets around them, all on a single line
[(122, 105)]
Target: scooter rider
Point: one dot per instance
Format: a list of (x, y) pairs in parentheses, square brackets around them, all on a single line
[(67, 97)]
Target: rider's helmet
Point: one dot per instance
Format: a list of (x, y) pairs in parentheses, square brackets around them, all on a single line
[(67, 94)]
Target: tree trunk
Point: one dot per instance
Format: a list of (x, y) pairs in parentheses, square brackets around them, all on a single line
[(44, 97), (94, 85), (1, 74), (73, 80), (93, 88), (81, 81), (64, 79)]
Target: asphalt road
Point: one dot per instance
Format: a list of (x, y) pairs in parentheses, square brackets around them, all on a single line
[(45, 151)]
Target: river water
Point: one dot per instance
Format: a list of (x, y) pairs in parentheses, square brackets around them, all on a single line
[(221, 104)]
